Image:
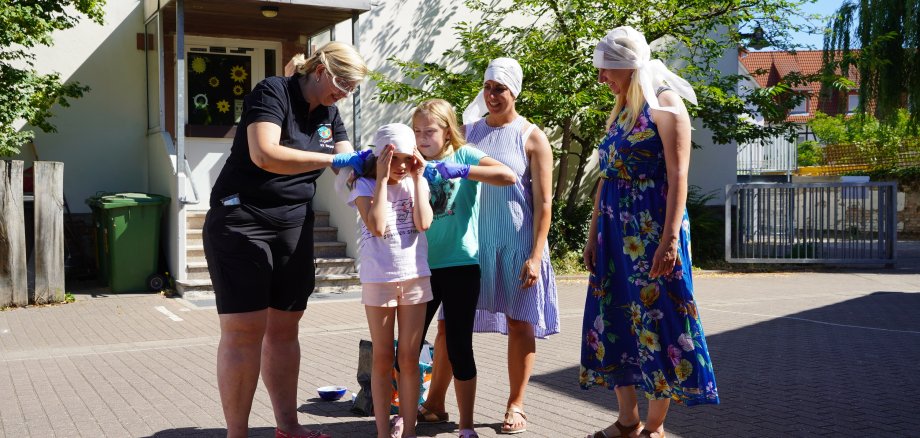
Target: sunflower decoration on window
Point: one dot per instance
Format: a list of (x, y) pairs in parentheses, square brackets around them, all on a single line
[(199, 65), (214, 82), (237, 90), (223, 106), (238, 73)]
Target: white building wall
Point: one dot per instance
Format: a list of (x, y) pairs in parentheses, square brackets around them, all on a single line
[(101, 137), (409, 30), (714, 165)]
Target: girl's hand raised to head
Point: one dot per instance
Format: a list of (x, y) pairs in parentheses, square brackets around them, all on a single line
[(418, 167), (383, 163)]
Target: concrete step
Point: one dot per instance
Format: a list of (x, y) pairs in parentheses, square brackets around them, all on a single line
[(195, 218), (334, 265), (325, 234), (329, 249), (320, 219)]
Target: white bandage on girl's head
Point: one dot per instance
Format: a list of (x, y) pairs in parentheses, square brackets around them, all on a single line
[(397, 134), (626, 48), (505, 71)]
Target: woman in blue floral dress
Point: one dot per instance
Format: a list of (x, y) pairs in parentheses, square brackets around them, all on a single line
[(641, 328)]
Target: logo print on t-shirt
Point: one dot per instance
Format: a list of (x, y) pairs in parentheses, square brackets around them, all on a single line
[(442, 194), (324, 133)]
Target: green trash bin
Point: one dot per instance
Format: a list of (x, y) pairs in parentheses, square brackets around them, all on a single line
[(127, 238)]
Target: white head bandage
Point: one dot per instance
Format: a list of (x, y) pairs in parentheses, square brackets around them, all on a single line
[(505, 71), (397, 134), (626, 48)]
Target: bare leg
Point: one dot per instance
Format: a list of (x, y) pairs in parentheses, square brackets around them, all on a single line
[(380, 320), (522, 350), (441, 373), (411, 318), (657, 410), (281, 367), (238, 367), (466, 398), (628, 410)]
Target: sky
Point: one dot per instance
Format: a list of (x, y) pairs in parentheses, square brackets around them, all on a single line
[(823, 7)]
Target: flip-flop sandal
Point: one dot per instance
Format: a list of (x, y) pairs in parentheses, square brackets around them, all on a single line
[(430, 417), (507, 425), (651, 434), (622, 431), (311, 434)]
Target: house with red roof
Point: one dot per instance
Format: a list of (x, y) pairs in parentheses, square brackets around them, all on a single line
[(768, 68)]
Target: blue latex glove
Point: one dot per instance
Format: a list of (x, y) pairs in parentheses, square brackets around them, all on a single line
[(430, 173), (450, 170), (355, 160)]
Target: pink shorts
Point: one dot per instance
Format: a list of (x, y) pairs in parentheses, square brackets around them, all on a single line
[(397, 293)]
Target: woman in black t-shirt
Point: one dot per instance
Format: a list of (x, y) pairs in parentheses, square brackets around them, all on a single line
[(258, 235)]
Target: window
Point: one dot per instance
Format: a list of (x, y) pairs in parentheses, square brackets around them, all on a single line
[(217, 83), (801, 108), (154, 75), (852, 103), (219, 73)]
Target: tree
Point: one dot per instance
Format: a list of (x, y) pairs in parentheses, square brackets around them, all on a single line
[(887, 33), (561, 93), (26, 95)]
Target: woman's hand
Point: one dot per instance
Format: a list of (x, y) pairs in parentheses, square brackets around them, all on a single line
[(530, 273), (665, 258), (590, 254), (383, 163)]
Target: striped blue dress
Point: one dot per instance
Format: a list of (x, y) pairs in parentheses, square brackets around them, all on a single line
[(506, 238)]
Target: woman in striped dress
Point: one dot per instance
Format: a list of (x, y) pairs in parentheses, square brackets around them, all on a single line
[(518, 293)]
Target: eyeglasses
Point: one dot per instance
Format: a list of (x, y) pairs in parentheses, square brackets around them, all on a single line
[(496, 89), (342, 84)]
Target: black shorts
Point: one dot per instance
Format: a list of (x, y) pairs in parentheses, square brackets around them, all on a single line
[(255, 265)]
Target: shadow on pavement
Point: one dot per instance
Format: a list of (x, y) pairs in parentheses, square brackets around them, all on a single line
[(847, 369)]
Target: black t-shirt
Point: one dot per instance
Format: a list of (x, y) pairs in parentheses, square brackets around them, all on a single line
[(280, 199)]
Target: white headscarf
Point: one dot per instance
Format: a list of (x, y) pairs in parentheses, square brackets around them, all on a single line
[(397, 134), (505, 71), (651, 73)]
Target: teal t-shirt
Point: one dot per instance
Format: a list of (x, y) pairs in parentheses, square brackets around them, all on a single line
[(453, 238)]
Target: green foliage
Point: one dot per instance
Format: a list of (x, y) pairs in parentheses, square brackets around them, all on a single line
[(810, 153), (26, 95), (887, 33), (707, 227), (903, 175), (568, 232), (561, 93), (877, 142)]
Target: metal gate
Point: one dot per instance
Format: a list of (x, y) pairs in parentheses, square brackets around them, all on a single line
[(843, 222)]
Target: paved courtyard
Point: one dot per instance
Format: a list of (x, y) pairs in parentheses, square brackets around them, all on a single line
[(825, 353)]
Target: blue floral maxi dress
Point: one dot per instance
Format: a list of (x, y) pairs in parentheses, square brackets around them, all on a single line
[(638, 331)]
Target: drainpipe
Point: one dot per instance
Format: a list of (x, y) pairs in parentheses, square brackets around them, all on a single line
[(181, 176)]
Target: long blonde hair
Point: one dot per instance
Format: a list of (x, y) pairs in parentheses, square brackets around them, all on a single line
[(633, 100), (444, 113), (340, 59)]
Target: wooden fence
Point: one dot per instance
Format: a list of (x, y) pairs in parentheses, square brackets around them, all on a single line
[(49, 234)]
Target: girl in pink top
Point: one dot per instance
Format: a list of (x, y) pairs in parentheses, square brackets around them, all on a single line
[(392, 199)]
